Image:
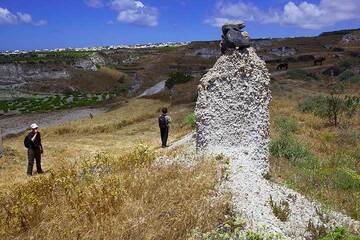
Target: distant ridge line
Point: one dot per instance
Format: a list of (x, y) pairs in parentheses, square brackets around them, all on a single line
[(339, 32)]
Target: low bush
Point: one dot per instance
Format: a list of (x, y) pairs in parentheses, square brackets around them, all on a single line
[(340, 234), (328, 136), (233, 229), (190, 120), (285, 124), (297, 153), (177, 78), (301, 74), (331, 107), (281, 210), (347, 179), (312, 104)]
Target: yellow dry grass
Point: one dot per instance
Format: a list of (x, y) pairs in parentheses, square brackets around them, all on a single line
[(113, 132), (100, 183)]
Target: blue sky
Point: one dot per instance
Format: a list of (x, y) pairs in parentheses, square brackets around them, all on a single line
[(40, 24)]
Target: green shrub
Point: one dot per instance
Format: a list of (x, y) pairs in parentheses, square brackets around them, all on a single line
[(177, 78), (339, 234), (301, 74), (347, 179), (285, 124), (297, 153), (328, 136), (331, 107), (281, 210), (312, 104), (190, 120), (233, 229)]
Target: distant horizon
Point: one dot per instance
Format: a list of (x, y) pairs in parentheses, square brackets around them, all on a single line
[(210, 40), (90, 23)]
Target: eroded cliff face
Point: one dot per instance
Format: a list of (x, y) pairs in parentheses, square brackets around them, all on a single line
[(91, 63), (13, 74)]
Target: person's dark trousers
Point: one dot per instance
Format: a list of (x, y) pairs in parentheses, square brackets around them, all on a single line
[(164, 132), (34, 154)]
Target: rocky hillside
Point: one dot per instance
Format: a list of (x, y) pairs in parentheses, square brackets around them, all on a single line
[(129, 72)]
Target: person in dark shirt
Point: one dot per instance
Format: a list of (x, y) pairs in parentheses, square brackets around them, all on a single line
[(33, 143), (164, 121)]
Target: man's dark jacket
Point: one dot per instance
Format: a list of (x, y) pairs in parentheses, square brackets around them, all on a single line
[(36, 144)]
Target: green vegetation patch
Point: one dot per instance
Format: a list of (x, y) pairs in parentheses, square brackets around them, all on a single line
[(190, 120), (55, 102), (347, 179), (177, 78), (287, 146), (41, 57), (340, 234), (331, 107), (301, 74)]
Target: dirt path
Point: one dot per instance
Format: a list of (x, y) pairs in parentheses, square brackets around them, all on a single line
[(19, 123), (278, 73)]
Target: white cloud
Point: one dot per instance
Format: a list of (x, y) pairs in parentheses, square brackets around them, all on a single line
[(94, 3), (24, 17), (135, 12), (129, 11), (143, 17), (303, 15), (6, 17), (40, 23)]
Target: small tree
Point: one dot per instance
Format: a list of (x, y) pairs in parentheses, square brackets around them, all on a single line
[(333, 106)]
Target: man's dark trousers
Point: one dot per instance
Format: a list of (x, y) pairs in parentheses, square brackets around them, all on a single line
[(164, 135), (34, 154)]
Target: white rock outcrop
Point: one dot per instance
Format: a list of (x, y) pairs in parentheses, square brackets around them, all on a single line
[(232, 109), (91, 63), (232, 118)]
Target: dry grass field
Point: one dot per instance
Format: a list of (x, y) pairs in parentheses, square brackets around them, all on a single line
[(100, 183)]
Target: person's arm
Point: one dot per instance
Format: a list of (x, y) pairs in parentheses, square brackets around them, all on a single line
[(34, 137), (41, 147), (168, 119)]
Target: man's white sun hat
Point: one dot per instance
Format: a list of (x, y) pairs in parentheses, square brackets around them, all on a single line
[(34, 125)]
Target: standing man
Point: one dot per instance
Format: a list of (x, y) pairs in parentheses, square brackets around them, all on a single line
[(164, 121), (33, 143)]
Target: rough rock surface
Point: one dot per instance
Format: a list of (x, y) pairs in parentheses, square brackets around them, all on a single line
[(204, 52), (283, 51), (351, 38), (157, 88), (232, 109), (232, 118), (91, 63), (18, 74)]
